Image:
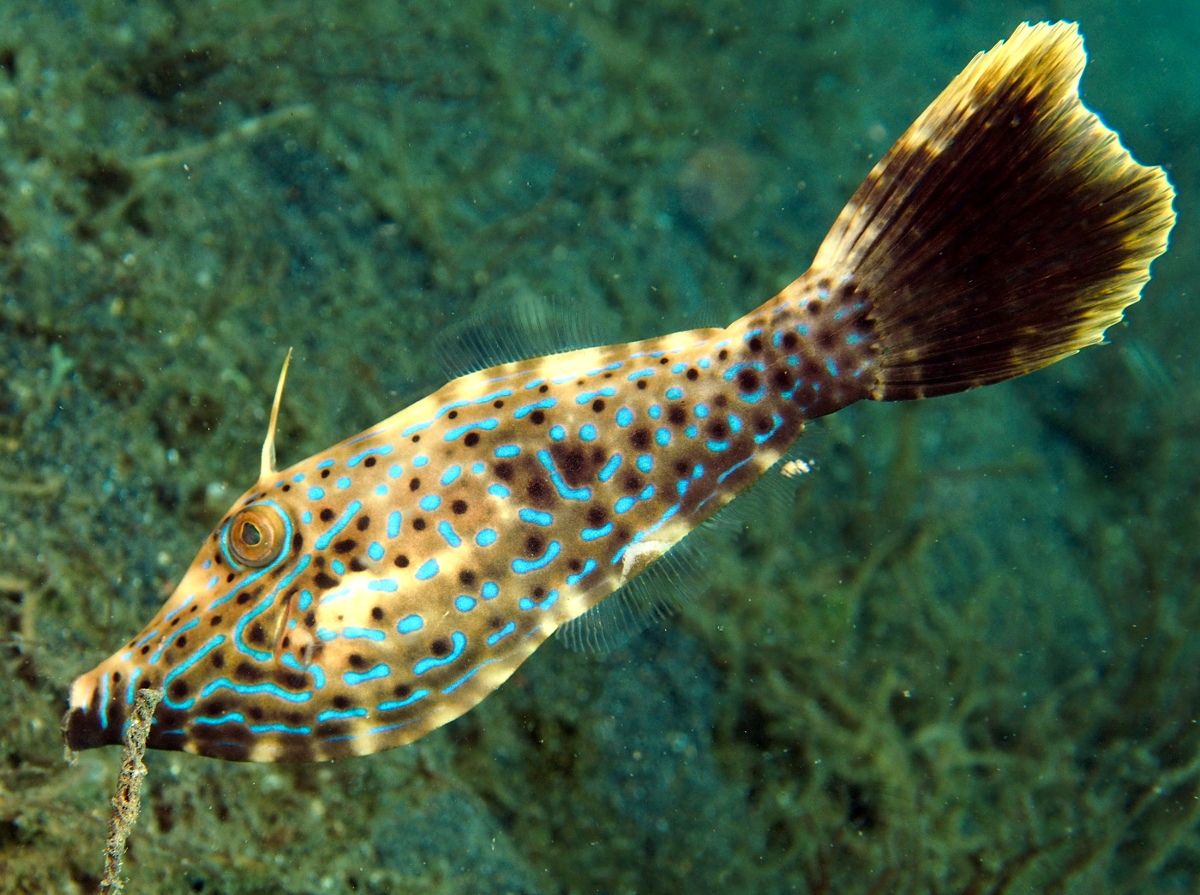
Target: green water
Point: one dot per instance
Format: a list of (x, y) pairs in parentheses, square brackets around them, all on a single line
[(959, 658)]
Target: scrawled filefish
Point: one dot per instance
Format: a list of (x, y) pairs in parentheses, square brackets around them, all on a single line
[(371, 593)]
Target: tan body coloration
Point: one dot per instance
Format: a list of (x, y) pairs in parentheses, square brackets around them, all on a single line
[(369, 594)]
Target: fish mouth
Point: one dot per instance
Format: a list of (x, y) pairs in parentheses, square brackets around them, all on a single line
[(93, 717)]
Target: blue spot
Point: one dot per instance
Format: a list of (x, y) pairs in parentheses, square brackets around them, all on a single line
[(527, 604), (592, 534), (854, 338), (358, 458), (498, 490), (778, 421), (336, 715), (396, 471), (588, 432), (678, 368), (624, 417), (353, 633), (564, 491), (447, 532), (326, 635), (339, 567), (645, 463), (416, 427), (486, 537), (558, 433), (674, 394), (704, 363), (427, 570), (384, 585), (655, 411), (410, 623), (508, 450), (305, 600), (464, 603), (586, 397), (717, 446), (625, 504), (691, 431), (534, 383), (663, 437), (325, 464), (701, 411), (381, 490), (459, 640), (477, 468), (393, 528), (735, 423), (430, 502), (831, 366), (451, 474), (608, 369), (401, 703), (610, 468), (326, 539), (545, 404), (487, 425), (420, 460), (306, 517), (535, 517), (639, 374), (316, 493), (524, 566), (493, 639), (490, 590), (354, 677), (572, 580), (647, 493), (298, 477)]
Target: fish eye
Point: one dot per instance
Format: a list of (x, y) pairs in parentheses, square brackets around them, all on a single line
[(256, 536)]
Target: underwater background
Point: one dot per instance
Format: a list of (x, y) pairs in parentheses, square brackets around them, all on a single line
[(959, 656)]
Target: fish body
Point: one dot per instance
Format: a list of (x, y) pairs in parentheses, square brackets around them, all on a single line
[(375, 591)]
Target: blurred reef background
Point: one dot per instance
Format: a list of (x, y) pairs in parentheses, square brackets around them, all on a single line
[(959, 658)]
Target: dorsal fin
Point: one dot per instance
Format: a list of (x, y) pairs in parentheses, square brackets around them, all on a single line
[(267, 468)]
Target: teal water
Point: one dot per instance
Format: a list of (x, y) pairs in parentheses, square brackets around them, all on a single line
[(958, 657)]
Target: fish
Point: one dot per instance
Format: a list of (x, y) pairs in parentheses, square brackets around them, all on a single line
[(369, 594)]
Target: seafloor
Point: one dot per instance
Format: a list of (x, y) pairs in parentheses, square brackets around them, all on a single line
[(961, 657)]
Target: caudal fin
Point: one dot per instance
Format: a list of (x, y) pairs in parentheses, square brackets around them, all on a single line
[(1005, 230)]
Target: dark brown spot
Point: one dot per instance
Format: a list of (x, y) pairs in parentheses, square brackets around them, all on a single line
[(693, 374), (574, 565), (720, 401), (471, 439), (257, 633), (534, 546), (217, 659), (341, 702), (369, 462), (364, 522), (747, 380), (416, 438), (542, 389), (453, 414), (537, 417), (826, 339), (376, 613), (682, 467), (287, 488), (539, 491), (297, 541), (632, 482), (357, 565), (755, 344), (676, 415), (789, 341), (815, 306), (663, 361), (229, 578), (439, 648), (418, 524), (243, 598), (319, 561), (458, 507), (324, 473), (467, 578), (641, 384), (598, 405), (538, 592), (401, 691), (345, 545), (497, 404), (310, 619), (255, 712), (356, 661), (596, 516), (400, 562), (248, 673), (327, 515), (287, 641), (640, 438), (325, 580), (718, 429), (181, 641), (414, 484), (504, 471), (762, 424), (294, 680), (178, 690), (723, 354)]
